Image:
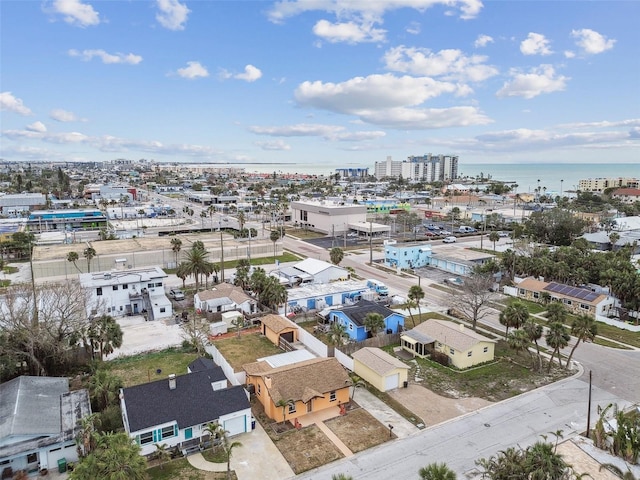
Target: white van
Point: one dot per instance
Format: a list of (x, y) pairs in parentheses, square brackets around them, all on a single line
[(466, 229), (449, 240)]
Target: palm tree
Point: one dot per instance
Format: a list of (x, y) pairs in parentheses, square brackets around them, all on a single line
[(203, 215), (416, 293), (556, 313), (162, 454), (176, 245), (557, 338), (514, 316), (241, 219), (519, 341), (494, 237), (373, 322), (103, 389), (89, 253), (338, 334), (227, 448), (583, 328), (215, 431), (116, 457), (534, 331), (628, 475), (273, 293), (197, 262), (73, 258), (182, 272), (285, 404), (409, 305), (336, 254), (274, 236), (437, 471), (85, 439), (104, 334)]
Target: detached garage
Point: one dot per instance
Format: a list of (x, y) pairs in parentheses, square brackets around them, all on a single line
[(380, 369)]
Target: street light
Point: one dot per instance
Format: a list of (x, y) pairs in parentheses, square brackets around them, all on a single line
[(221, 251)]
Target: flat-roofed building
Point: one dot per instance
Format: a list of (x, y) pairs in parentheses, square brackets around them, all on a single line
[(326, 217)]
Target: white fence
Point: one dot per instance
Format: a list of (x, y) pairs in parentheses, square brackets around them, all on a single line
[(344, 359), (236, 378), (312, 343), (618, 323)]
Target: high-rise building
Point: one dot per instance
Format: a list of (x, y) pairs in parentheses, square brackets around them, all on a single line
[(425, 168)]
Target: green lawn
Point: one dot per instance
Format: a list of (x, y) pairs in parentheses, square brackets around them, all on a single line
[(144, 367), (246, 349), (181, 469), (619, 334)]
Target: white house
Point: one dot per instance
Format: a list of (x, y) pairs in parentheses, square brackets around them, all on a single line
[(128, 292), (321, 271), (176, 411), (225, 297), (327, 217), (39, 420)]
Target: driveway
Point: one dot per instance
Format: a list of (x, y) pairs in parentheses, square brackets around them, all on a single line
[(141, 336)]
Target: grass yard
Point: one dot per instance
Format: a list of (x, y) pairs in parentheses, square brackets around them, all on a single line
[(182, 469), (358, 430), (619, 334), (144, 367), (306, 448), (246, 349)]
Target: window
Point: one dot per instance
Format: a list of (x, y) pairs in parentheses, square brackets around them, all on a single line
[(115, 287), (163, 309), (536, 295), (99, 291), (485, 349), (332, 396), (469, 353), (167, 432), (584, 307), (569, 302), (159, 284), (149, 285), (452, 351), (258, 389), (125, 286), (292, 407), (521, 291), (351, 326), (145, 438), (32, 458)]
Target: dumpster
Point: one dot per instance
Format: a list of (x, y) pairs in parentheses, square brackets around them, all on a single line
[(62, 465)]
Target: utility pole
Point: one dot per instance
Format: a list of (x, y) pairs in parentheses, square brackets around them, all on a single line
[(370, 242), (221, 252), (589, 407)]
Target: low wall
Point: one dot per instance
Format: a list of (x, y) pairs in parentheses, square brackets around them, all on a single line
[(344, 359), (618, 323), (236, 378)]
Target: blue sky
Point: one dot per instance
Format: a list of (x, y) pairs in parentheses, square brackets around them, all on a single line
[(314, 82)]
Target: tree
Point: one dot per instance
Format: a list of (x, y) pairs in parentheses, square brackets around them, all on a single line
[(85, 438), (410, 305), (242, 273), (519, 341), (89, 253), (336, 254), (227, 448), (416, 293), (104, 388), (116, 457), (73, 258), (285, 405), (514, 316), (176, 245), (104, 335), (373, 322), (195, 334), (584, 328), (197, 262), (338, 334), (494, 237), (215, 431), (162, 454), (473, 298), (557, 338), (274, 236), (182, 272), (534, 332), (437, 471), (556, 313), (273, 293)]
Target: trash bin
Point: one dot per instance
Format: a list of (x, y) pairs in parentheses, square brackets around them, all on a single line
[(62, 465), (253, 423)]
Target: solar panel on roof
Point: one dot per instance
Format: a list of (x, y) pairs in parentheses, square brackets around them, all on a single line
[(575, 292)]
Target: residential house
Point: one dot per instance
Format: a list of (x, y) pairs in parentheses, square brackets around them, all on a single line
[(460, 261), (39, 421), (225, 297), (275, 327), (627, 195), (128, 292), (319, 296), (290, 391), (176, 411), (383, 371), (353, 318), (464, 347), (577, 300)]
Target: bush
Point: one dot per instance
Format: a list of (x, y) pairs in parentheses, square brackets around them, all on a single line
[(440, 358)]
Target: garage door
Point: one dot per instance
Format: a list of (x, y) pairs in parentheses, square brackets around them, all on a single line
[(67, 452), (391, 382), (235, 425)]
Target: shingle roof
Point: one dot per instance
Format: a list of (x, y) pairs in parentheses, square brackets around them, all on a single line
[(301, 381), (532, 284), (358, 312), (192, 402), (276, 323), (378, 360), (451, 334), (225, 290), (201, 363)]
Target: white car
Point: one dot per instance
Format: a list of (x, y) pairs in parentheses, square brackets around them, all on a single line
[(449, 240), (504, 234)]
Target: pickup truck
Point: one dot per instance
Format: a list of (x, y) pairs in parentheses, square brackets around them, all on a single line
[(176, 294)]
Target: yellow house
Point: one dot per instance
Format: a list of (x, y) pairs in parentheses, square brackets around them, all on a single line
[(291, 391), (275, 327), (464, 347), (383, 371)]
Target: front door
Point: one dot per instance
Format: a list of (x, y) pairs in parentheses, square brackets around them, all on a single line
[(135, 309), (188, 433), (309, 406)]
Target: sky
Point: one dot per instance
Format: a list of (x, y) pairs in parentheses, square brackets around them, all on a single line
[(320, 82)]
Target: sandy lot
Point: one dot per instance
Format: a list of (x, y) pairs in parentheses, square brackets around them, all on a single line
[(433, 408), (140, 336)]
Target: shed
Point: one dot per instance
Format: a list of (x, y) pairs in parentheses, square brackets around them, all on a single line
[(275, 327), (380, 369)]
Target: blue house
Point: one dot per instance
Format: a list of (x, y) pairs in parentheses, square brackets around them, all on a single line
[(353, 317), (407, 256)]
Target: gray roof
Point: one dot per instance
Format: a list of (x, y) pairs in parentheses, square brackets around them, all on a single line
[(192, 402), (201, 363), (418, 336), (358, 312), (378, 360)]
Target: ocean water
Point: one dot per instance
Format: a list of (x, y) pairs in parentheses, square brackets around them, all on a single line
[(554, 177)]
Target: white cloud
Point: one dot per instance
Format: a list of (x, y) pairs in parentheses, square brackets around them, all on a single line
[(274, 145), (172, 14), (451, 64), (76, 13), (328, 132), (482, 41), (632, 122), (414, 28), (592, 42), (542, 79), (193, 70), (569, 54), (13, 104), (348, 32), (251, 74), (60, 115), (108, 58), (535, 44), (37, 127)]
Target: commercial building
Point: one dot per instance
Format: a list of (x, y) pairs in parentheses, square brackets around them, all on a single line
[(325, 217), (601, 184), (424, 168), (21, 202)]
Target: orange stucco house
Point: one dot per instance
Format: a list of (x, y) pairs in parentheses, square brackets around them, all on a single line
[(274, 327), (291, 391)]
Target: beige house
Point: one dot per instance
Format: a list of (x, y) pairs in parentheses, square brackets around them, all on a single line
[(575, 299), (291, 391), (275, 327), (464, 347), (380, 369)]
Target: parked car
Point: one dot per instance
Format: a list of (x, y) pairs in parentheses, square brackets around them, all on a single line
[(433, 226), (466, 229), (504, 234), (449, 240), (444, 232), (176, 294), (429, 233)]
